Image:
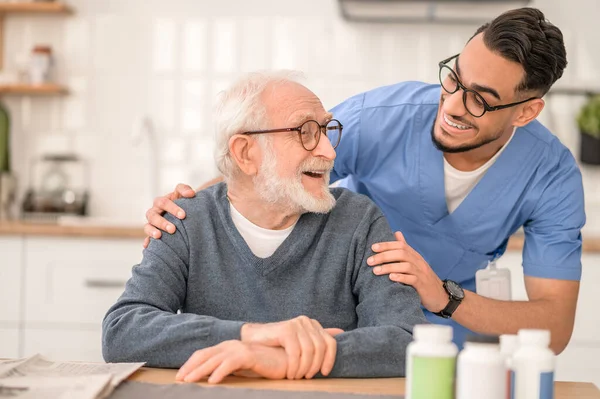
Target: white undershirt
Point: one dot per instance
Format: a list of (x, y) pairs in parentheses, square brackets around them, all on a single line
[(458, 184), (262, 242)]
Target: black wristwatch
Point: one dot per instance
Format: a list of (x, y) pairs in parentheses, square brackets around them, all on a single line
[(455, 296)]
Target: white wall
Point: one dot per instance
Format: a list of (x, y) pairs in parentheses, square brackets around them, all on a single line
[(123, 59)]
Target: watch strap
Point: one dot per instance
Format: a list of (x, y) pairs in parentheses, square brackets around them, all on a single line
[(452, 305)]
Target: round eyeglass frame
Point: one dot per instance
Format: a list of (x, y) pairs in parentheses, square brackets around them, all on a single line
[(322, 128), (486, 107)]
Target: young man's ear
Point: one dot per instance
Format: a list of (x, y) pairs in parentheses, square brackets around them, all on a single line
[(531, 109), (245, 152)]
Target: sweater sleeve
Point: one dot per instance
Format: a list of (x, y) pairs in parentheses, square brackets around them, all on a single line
[(387, 312), (145, 326)]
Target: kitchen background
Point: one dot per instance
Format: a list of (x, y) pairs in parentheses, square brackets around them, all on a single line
[(141, 77), (126, 60)]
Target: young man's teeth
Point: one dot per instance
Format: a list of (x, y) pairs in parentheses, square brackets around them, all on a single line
[(456, 125)]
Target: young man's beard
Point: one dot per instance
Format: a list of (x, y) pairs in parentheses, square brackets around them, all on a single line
[(461, 148), (289, 193)]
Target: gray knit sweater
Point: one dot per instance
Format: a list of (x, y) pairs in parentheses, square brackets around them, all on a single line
[(207, 271)]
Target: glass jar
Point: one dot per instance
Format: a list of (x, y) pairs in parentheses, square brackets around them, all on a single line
[(40, 65)]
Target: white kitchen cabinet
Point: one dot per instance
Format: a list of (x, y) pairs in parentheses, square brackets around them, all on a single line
[(11, 266), (64, 344), (74, 281), (54, 293), (70, 284), (9, 343)]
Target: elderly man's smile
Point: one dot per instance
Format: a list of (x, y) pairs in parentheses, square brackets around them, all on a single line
[(315, 174)]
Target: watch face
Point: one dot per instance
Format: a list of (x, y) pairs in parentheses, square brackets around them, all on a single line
[(454, 289)]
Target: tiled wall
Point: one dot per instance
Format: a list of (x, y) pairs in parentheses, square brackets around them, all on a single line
[(125, 60)]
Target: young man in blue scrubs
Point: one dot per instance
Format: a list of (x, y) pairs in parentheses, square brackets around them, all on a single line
[(460, 166)]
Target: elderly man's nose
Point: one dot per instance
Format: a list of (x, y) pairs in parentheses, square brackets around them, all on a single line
[(324, 148)]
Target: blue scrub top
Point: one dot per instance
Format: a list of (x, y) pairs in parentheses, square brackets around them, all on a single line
[(386, 153)]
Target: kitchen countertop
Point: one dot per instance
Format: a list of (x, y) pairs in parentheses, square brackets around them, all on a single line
[(591, 240), (369, 386), (75, 230)]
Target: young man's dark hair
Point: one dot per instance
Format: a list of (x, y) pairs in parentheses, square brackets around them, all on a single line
[(526, 37)]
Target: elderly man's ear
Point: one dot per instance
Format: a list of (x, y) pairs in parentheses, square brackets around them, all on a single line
[(246, 153)]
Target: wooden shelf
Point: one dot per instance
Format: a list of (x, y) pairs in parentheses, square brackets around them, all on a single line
[(34, 90), (55, 7)]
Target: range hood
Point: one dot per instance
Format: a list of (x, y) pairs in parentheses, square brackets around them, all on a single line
[(426, 11)]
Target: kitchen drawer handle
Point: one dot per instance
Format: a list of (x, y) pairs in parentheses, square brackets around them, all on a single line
[(101, 283)]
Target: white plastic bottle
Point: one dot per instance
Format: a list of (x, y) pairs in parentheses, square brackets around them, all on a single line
[(481, 369), (509, 343), (431, 363), (533, 366)]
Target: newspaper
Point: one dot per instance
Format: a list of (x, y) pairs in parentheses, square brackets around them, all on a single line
[(79, 387), (37, 377)]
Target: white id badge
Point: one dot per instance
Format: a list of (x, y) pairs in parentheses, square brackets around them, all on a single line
[(493, 282)]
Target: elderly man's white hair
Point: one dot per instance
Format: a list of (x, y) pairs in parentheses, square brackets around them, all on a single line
[(240, 109)]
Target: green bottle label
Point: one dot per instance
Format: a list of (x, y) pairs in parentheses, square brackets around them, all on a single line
[(433, 377)]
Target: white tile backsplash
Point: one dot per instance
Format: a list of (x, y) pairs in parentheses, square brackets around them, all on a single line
[(74, 107), (128, 59), (122, 44), (164, 44), (255, 49), (194, 95), (116, 101), (76, 45), (195, 45), (224, 45), (586, 67), (173, 150), (42, 114), (297, 30), (164, 103)]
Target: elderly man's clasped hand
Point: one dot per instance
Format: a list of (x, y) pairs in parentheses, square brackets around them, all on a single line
[(292, 349)]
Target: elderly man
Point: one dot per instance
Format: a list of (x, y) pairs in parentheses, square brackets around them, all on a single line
[(267, 274)]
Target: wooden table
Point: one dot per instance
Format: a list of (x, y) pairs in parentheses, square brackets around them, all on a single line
[(381, 386)]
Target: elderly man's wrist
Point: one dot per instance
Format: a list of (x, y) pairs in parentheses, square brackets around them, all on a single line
[(247, 332)]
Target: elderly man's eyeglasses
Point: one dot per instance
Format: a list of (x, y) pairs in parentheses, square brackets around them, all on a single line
[(473, 101), (310, 133)]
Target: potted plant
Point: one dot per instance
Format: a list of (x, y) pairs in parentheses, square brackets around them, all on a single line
[(7, 181), (588, 121)]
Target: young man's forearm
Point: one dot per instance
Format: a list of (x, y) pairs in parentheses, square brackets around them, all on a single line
[(489, 316)]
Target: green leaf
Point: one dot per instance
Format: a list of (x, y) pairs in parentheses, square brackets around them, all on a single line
[(588, 119)]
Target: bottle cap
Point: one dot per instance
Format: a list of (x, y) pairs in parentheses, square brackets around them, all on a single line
[(483, 339), (430, 332), (509, 343), (534, 337)]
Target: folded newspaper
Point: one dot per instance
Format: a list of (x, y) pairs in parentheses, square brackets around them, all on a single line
[(38, 377)]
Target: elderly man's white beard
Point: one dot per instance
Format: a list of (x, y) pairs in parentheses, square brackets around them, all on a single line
[(289, 193)]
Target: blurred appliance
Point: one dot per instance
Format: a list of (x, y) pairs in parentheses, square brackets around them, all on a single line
[(58, 186), (426, 11)]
